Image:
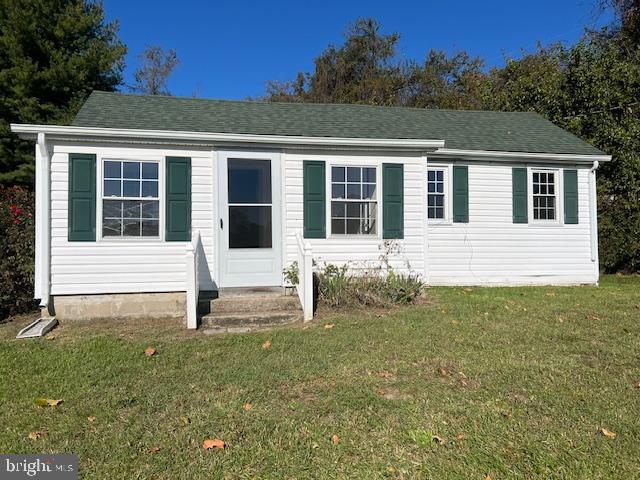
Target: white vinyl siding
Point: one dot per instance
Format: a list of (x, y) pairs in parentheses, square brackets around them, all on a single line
[(491, 249), (117, 266)]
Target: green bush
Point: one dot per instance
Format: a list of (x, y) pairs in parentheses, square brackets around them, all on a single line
[(16, 251), (337, 288)]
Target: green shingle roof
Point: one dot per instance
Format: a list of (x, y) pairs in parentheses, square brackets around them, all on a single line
[(461, 129)]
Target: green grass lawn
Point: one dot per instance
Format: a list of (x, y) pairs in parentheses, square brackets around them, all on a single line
[(512, 382)]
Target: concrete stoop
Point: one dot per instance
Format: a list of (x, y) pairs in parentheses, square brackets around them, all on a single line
[(246, 310)]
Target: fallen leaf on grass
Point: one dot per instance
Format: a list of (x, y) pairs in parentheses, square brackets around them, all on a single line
[(50, 337), (385, 374), (154, 449), (213, 443), (266, 345), (636, 384), (335, 439), (468, 290), (91, 418), (247, 406), (455, 322), (34, 435), (184, 419), (488, 477), (460, 436), (150, 351), (47, 402), (551, 294), (608, 433), (329, 325)]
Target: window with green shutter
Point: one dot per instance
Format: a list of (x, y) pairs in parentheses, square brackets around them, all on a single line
[(519, 195), (460, 194), (570, 196), (314, 198), (392, 200), (82, 198), (178, 199)]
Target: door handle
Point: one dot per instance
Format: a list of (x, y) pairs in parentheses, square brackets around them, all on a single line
[(221, 225)]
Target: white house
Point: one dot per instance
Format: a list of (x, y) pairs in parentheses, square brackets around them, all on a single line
[(458, 197)]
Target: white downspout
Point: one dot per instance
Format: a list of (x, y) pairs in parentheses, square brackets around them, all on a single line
[(43, 201), (593, 215)]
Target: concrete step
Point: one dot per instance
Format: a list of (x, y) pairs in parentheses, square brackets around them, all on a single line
[(250, 320), (254, 304)]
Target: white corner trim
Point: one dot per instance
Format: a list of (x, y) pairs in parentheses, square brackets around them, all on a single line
[(506, 156), (30, 131), (593, 214)]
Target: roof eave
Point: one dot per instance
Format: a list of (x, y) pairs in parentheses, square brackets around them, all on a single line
[(28, 131), (491, 155)]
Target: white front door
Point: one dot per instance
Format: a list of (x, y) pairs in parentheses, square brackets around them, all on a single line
[(249, 226)]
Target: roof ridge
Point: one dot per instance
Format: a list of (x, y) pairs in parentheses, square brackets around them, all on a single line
[(319, 104)]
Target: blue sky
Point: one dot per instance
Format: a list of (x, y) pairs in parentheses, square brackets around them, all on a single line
[(228, 49)]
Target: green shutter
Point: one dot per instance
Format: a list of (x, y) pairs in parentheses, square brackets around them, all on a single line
[(82, 198), (519, 195), (178, 199), (314, 187), (392, 200), (570, 196), (460, 194)]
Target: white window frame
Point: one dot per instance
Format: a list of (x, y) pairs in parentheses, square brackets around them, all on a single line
[(559, 195), (378, 200), (100, 197), (448, 198)]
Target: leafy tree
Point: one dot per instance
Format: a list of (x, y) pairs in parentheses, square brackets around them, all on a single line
[(157, 65), (363, 70), (626, 26), (53, 53)]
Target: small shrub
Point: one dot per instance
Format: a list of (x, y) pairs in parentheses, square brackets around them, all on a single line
[(16, 251), (291, 273), (337, 288)]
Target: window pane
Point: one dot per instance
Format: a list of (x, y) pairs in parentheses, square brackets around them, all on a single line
[(353, 210), (338, 227), (353, 227), (130, 188), (131, 169), (368, 191), (353, 174), (369, 175), (150, 189), (131, 209), (431, 175), (337, 174), (150, 228), (111, 169), (151, 210), (131, 227), (112, 209), (249, 181), (112, 188), (431, 187), (337, 209), (439, 175), (111, 227), (551, 214), (536, 177), (431, 200), (150, 170), (337, 191), (353, 191), (440, 187), (439, 201), (249, 227)]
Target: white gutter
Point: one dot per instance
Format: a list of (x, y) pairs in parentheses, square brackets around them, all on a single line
[(43, 222), (518, 156), (57, 131), (593, 213)]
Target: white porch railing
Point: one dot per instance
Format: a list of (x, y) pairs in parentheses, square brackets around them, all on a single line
[(305, 277), (193, 287)]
